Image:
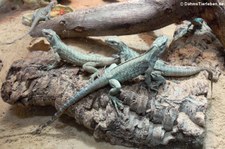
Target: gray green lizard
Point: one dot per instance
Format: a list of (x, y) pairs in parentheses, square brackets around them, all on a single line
[(116, 75), (42, 14), (125, 53), (89, 62), (161, 68), (194, 25)]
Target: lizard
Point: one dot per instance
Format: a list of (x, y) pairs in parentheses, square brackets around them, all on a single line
[(89, 62), (42, 14), (161, 68), (113, 77), (197, 23), (125, 53), (193, 25)]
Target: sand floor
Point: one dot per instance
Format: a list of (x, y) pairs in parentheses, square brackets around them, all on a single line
[(65, 133)]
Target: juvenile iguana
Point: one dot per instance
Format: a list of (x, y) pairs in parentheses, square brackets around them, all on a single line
[(116, 75), (89, 62), (161, 68), (193, 25), (42, 14), (125, 53)]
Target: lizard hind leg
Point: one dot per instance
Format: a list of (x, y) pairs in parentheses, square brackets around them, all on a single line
[(154, 80), (158, 80), (114, 91)]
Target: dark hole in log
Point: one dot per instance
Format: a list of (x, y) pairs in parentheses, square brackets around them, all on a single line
[(64, 2)]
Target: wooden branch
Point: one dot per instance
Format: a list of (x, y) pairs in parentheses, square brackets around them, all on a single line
[(130, 17), (134, 16), (215, 17)]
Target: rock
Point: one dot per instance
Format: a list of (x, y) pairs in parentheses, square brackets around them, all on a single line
[(8, 5), (39, 44), (33, 4), (27, 19), (187, 126)]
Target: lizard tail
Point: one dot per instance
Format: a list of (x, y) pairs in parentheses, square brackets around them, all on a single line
[(211, 78), (17, 39)]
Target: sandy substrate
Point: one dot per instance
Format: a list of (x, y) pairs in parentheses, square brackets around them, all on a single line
[(65, 133)]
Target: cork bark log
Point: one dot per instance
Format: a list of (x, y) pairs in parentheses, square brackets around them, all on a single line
[(175, 117), (134, 16)]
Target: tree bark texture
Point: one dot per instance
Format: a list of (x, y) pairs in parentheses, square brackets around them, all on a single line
[(177, 114), (174, 118), (134, 16)]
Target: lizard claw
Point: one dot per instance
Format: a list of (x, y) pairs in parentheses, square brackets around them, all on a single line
[(116, 56), (93, 76), (97, 74), (116, 104), (91, 79), (42, 67), (46, 68), (38, 130)]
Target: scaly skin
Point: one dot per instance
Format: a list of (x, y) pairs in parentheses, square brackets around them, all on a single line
[(71, 55), (125, 53), (178, 71), (194, 25), (42, 14), (161, 68), (160, 65), (121, 73)]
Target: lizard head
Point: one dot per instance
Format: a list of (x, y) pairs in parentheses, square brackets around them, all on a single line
[(52, 3), (197, 22), (157, 48), (115, 43), (50, 35), (160, 42)]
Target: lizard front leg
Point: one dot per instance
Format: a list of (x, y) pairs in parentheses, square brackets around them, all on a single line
[(91, 68), (56, 62), (48, 16), (114, 91), (122, 57)]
